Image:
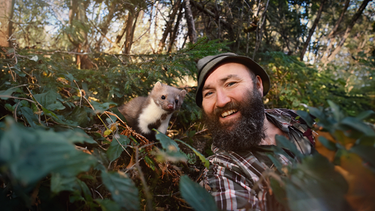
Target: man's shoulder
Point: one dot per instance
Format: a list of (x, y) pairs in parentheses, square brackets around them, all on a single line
[(287, 117), (282, 112), (289, 120)]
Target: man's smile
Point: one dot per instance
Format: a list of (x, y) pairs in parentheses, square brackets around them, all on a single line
[(228, 113), (229, 118)]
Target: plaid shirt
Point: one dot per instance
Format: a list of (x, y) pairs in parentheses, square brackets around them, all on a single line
[(234, 178)]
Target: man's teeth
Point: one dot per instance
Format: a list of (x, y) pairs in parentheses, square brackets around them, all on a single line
[(227, 113)]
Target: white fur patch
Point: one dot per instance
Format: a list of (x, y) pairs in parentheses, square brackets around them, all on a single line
[(151, 114)]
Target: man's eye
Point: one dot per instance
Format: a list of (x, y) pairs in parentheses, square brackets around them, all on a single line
[(231, 83), (207, 94)]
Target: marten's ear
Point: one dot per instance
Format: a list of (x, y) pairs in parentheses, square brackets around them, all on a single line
[(158, 86), (182, 94)]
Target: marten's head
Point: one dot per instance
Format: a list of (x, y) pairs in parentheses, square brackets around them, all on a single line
[(167, 97)]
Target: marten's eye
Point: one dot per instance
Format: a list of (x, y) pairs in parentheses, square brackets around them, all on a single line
[(176, 101), (163, 97)]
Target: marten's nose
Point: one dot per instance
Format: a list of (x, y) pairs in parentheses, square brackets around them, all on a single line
[(170, 106)]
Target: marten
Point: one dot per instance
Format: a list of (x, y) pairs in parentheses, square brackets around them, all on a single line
[(154, 111)]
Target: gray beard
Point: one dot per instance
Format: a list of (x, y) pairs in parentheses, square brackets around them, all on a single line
[(246, 133)]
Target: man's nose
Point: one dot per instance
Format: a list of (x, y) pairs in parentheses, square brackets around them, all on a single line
[(222, 99)]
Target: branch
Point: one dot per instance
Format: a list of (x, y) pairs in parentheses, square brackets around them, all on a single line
[(143, 180), (20, 98), (334, 30), (110, 41), (208, 12), (347, 32)]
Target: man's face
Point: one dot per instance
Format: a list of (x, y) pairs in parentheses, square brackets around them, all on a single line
[(233, 107)]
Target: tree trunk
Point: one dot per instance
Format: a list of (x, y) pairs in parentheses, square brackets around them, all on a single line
[(156, 23), (174, 33), (356, 16), (77, 12), (190, 22), (168, 26), (133, 29), (129, 31), (312, 30), (260, 29), (6, 6)]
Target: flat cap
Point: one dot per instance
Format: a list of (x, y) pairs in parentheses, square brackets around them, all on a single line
[(208, 63)]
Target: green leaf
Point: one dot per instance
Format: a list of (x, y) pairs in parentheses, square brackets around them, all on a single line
[(60, 183), (101, 107), (31, 154), (111, 119), (279, 191), (367, 153), (77, 135), (170, 155), (123, 190), (115, 149), (295, 103), (316, 112), (84, 189), (19, 71), (283, 142), (196, 196), (357, 125), (338, 115), (365, 114), (79, 115), (201, 157), (49, 100), (315, 185), (9, 107), (76, 196), (81, 193), (327, 143), (59, 119), (50, 114), (108, 205), (171, 150), (4, 94), (275, 161), (367, 141), (30, 117), (166, 142), (150, 162), (306, 116), (70, 77)]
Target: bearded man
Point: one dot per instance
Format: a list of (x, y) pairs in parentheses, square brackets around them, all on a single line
[(230, 91)]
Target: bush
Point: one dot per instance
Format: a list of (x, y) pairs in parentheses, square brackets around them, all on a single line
[(62, 148)]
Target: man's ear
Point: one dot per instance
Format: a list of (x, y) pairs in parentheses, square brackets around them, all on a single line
[(259, 84)]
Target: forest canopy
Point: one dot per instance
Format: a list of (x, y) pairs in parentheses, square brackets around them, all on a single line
[(65, 65)]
